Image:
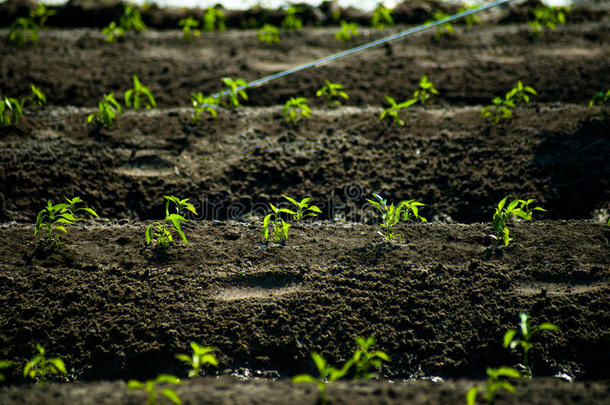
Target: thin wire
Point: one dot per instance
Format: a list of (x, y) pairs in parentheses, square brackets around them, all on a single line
[(361, 48)]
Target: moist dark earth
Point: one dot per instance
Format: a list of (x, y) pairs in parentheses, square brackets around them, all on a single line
[(438, 300)]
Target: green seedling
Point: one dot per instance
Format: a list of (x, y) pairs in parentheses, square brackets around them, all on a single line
[(161, 232), (347, 31), (269, 34), (394, 110), (494, 382), (53, 219), (11, 109), (471, 19), (37, 97), (547, 17), (131, 20), (326, 373), (382, 17), (4, 364), (523, 335), (442, 29), (201, 356), (518, 208), (392, 215), (295, 108), (237, 89), (25, 29), (332, 92), (107, 111), (190, 27), (214, 20), (42, 369), (150, 387), (425, 91), (502, 108), (291, 20), (133, 97), (364, 359), (203, 104), (303, 209), (113, 32), (279, 227), (600, 99)]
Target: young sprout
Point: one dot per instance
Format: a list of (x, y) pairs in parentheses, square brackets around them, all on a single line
[(303, 209), (190, 27), (42, 369), (291, 20), (107, 111), (382, 17), (494, 382), (279, 227), (11, 109), (518, 208), (269, 34), (295, 108), (237, 88), (25, 29), (131, 20), (600, 98), (364, 359), (214, 19), (347, 31), (37, 97), (326, 373), (502, 107), (5, 364), (150, 388), (201, 356), (548, 17), (523, 335), (161, 232), (133, 97), (394, 109), (333, 92), (443, 28), (203, 104), (392, 215), (471, 19), (113, 32), (53, 219), (425, 91)]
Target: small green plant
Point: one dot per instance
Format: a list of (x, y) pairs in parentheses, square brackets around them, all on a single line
[(279, 227), (443, 28), (42, 369), (547, 17), (53, 218), (214, 19), (303, 209), (113, 32), (494, 382), (523, 335), (502, 108), (382, 17), (600, 98), (4, 364), (201, 356), (190, 27), (347, 31), (25, 29), (392, 215), (326, 374), (203, 104), (518, 208), (471, 19), (291, 20), (269, 34), (11, 109), (237, 89), (425, 91), (37, 97), (333, 92), (364, 359), (161, 232), (133, 97), (295, 108), (150, 387), (107, 111), (394, 110), (131, 20)]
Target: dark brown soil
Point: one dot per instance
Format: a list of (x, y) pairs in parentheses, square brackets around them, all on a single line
[(439, 302)]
